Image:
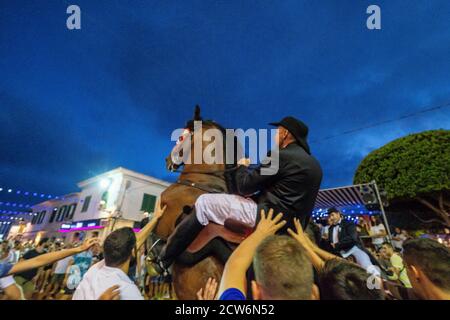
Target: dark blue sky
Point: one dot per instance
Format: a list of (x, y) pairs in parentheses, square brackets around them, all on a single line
[(77, 103)]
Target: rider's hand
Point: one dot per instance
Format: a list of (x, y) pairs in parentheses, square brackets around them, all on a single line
[(210, 291), (88, 244), (158, 210), (112, 293), (244, 162), (268, 225)]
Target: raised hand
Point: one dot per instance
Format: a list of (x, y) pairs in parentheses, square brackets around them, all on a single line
[(299, 235), (158, 210), (112, 293), (210, 291), (268, 225), (88, 244)]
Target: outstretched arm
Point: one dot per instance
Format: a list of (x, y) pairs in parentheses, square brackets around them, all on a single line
[(234, 274), (48, 258), (318, 256), (142, 236)]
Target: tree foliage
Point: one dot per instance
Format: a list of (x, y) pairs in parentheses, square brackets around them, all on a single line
[(415, 167)]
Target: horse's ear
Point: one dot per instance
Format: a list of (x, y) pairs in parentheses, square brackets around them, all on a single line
[(197, 113)]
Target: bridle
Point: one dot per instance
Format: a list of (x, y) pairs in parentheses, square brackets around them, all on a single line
[(215, 173)]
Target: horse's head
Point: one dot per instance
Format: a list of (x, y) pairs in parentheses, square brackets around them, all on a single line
[(185, 141)]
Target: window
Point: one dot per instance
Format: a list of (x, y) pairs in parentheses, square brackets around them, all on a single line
[(70, 212), (41, 217), (86, 203), (52, 217), (148, 203), (35, 217), (61, 213)]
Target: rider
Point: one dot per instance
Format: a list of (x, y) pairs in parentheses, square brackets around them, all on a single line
[(292, 190)]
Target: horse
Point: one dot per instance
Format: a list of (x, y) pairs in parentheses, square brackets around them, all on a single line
[(194, 180)]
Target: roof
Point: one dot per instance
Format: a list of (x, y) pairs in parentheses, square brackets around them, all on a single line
[(340, 197), (125, 172)]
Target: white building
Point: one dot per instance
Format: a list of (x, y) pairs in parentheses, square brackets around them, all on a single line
[(47, 217), (114, 199)]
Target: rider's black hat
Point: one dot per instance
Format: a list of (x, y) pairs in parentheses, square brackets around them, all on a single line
[(297, 128)]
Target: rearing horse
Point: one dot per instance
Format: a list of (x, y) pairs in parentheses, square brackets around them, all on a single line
[(195, 180)]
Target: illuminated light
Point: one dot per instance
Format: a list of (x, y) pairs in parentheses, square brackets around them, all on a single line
[(49, 197), (42, 195), (18, 192), (35, 194), (1, 189), (9, 190), (26, 193)]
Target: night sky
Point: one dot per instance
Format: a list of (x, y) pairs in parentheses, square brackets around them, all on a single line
[(77, 103)]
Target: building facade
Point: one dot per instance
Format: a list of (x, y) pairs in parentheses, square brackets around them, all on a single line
[(106, 202)]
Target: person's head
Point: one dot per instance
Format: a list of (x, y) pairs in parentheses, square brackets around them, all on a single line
[(283, 137), (329, 220), (4, 250), (386, 251), (343, 280), (95, 234), (428, 266), (397, 230), (118, 247), (41, 245), (375, 220), (334, 215), (282, 270)]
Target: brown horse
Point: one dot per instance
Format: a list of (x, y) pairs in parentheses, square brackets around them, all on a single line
[(194, 180)]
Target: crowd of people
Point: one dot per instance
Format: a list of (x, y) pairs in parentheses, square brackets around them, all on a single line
[(323, 262), (286, 256)]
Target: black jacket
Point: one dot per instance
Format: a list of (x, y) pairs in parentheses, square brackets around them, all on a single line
[(292, 190), (347, 236)]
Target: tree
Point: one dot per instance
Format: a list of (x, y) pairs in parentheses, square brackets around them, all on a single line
[(413, 168)]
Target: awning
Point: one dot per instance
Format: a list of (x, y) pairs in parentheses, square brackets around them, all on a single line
[(349, 196)]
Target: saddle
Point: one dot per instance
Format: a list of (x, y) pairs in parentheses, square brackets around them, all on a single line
[(232, 231)]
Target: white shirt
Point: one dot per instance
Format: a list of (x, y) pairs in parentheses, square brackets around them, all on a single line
[(61, 265), (6, 282), (399, 243), (375, 230), (335, 235), (100, 277)]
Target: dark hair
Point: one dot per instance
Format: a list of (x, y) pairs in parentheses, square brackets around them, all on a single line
[(333, 210), (432, 258), (377, 220), (343, 280), (42, 242), (283, 268), (118, 246), (388, 244)]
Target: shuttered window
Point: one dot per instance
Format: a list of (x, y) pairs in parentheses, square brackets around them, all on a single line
[(148, 203)]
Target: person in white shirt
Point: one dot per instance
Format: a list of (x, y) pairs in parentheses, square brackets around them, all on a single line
[(113, 270), (398, 238), (377, 232), (10, 289)]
